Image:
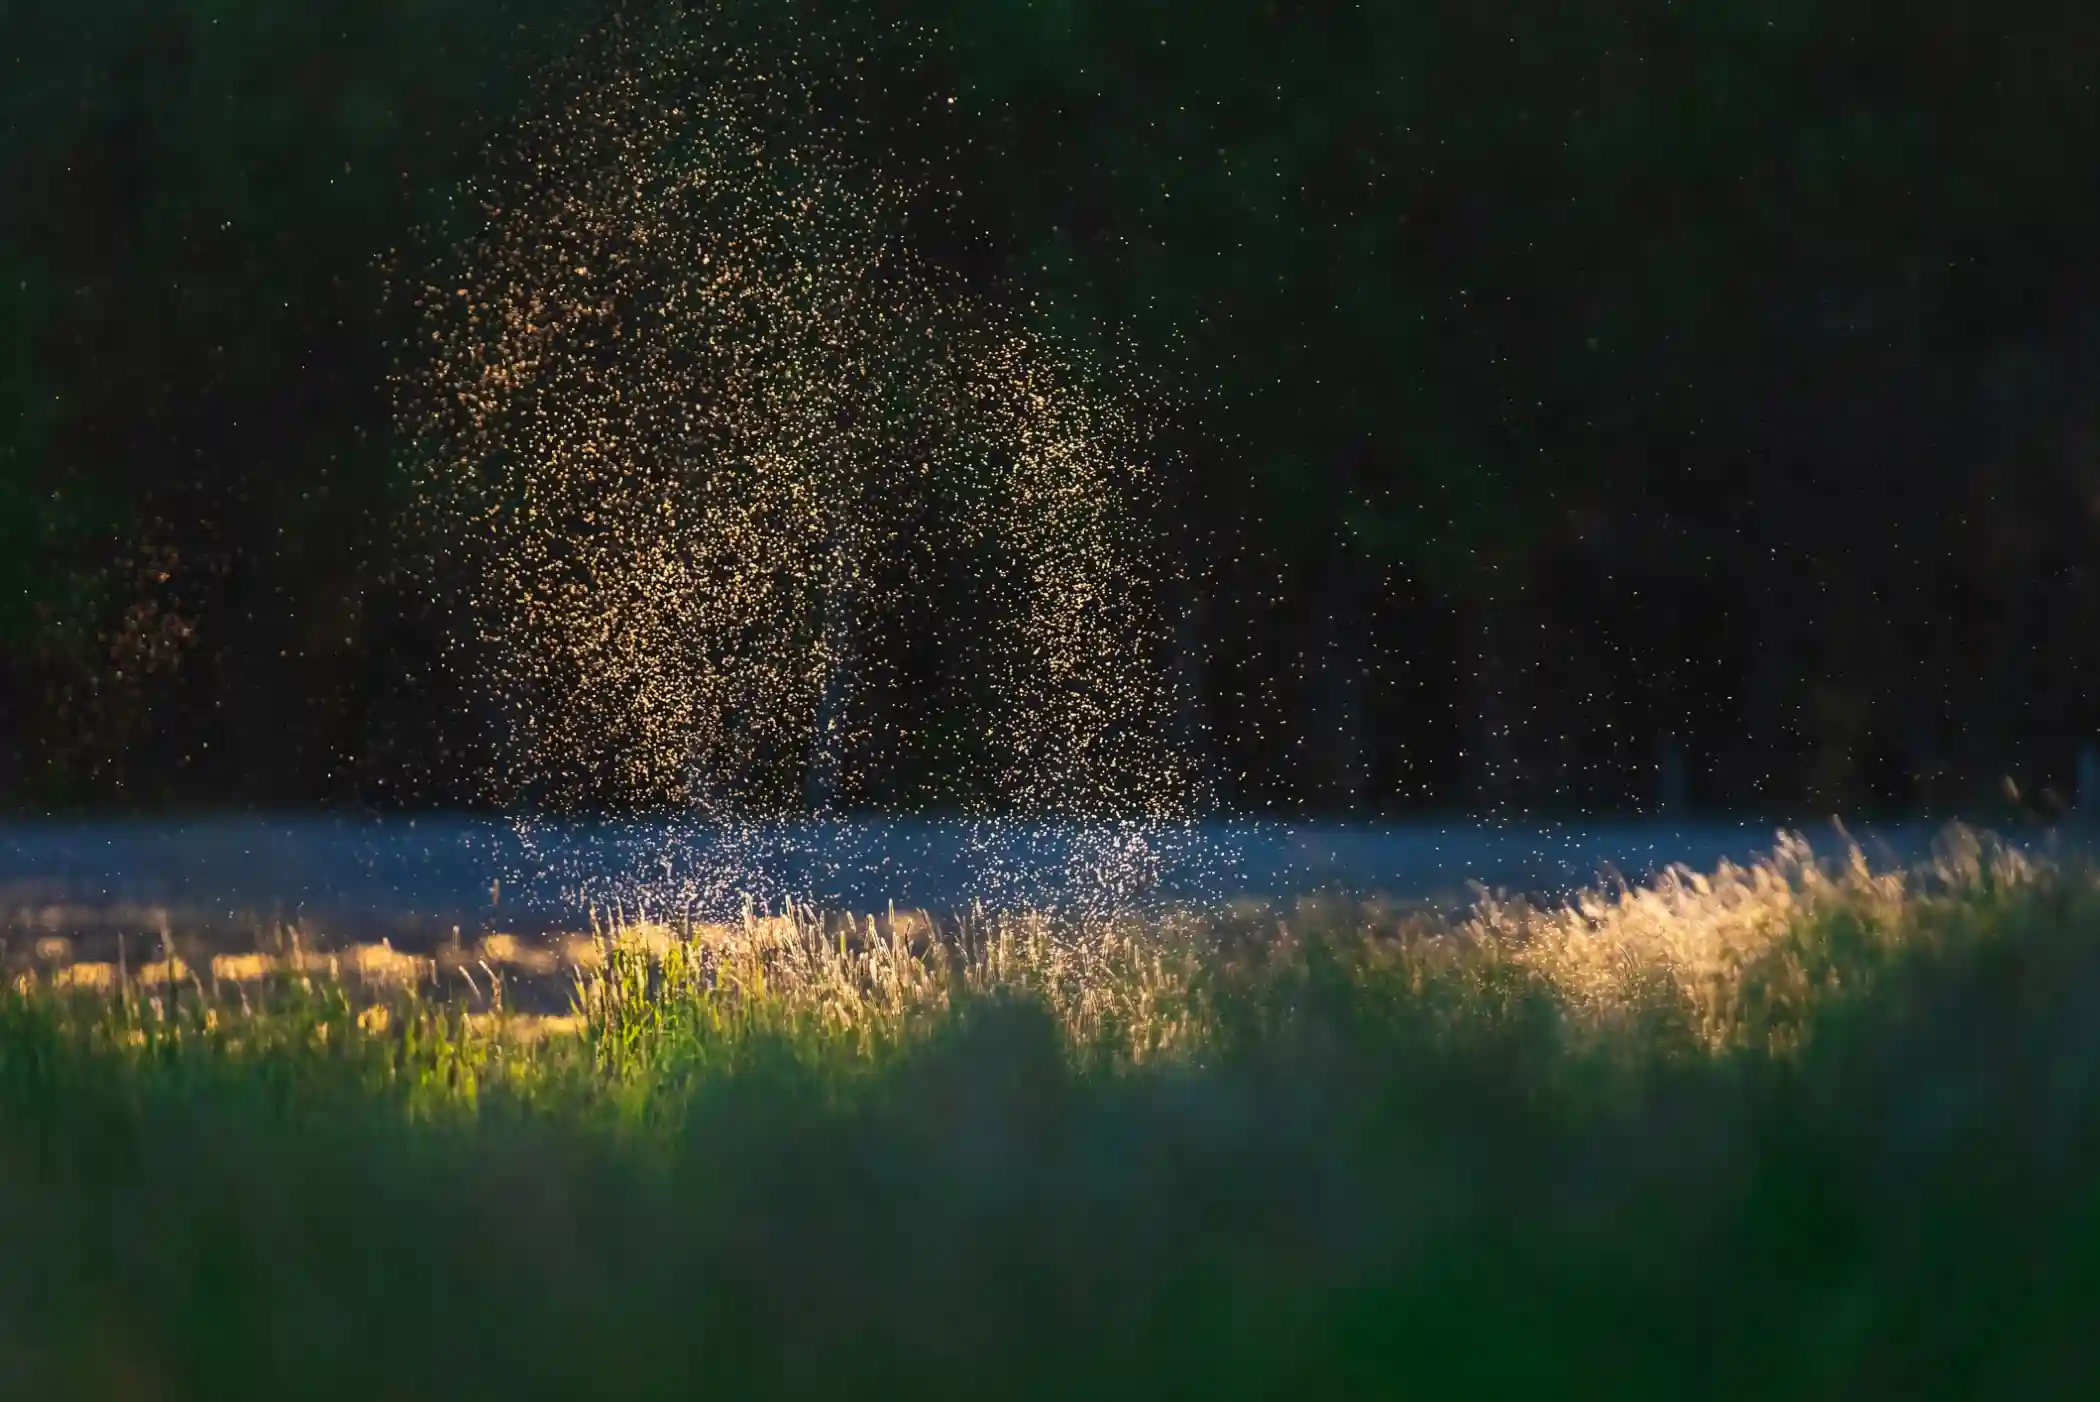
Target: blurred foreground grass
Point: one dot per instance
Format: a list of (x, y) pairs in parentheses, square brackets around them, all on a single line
[(1789, 1132)]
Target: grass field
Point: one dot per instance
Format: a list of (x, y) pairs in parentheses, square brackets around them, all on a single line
[(1790, 1132)]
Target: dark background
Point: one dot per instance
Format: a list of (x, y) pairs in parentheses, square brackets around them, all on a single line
[(1572, 382)]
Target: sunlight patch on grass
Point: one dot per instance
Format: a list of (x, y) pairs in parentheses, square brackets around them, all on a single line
[(509, 950), (382, 965), (97, 976), (244, 968)]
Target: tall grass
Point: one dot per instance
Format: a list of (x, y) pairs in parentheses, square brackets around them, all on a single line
[(1783, 1131)]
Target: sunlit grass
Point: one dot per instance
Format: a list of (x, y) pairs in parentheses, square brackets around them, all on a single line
[(1791, 1130)]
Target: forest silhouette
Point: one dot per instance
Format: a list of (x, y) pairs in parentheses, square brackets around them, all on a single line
[(1567, 396)]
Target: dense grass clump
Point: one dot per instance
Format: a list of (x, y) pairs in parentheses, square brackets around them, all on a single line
[(1779, 1133)]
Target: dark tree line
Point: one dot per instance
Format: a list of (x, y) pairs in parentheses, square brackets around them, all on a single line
[(1571, 386)]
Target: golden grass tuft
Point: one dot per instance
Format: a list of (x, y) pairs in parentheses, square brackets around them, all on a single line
[(1716, 943)]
